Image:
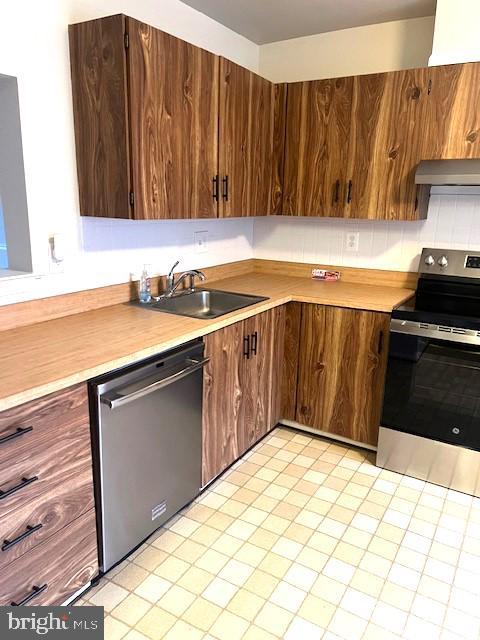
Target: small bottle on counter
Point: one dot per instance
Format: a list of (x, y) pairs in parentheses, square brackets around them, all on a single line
[(145, 293)]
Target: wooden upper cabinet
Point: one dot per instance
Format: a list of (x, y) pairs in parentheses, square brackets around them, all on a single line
[(99, 86), (174, 125), (316, 147), (386, 144), (249, 110), (453, 118), (146, 121), (342, 363)]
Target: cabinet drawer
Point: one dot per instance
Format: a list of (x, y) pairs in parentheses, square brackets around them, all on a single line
[(45, 508), (64, 563), (27, 429)]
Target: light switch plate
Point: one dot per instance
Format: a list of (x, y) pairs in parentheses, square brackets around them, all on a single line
[(200, 240), (352, 241)]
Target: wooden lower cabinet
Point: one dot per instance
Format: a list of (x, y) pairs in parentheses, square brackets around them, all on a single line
[(341, 371), (241, 388)]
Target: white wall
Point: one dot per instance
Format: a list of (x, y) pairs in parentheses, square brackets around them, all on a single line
[(390, 46), (39, 58), (456, 37), (453, 222)]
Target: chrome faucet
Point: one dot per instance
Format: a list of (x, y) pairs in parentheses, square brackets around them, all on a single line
[(173, 284)]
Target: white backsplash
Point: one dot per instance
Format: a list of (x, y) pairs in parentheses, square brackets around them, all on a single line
[(453, 222)]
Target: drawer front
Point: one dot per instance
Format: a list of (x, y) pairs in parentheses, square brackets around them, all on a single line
[(45, 508), (31, 427), (54, 570)]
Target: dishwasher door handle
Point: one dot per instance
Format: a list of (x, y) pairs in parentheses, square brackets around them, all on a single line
[(115, 399)]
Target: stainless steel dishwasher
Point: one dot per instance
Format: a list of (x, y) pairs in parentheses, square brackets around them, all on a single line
[(147, 446)]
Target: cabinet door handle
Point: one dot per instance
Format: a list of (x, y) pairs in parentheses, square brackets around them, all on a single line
[(29, 597), (24, 483), (225, 188), (16, 434), (8, 544), (337, 191), (349, 191), (254, 342), (246, 347), (380, 343), (215, 188)]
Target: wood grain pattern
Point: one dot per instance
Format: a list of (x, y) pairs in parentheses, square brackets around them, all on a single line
[(386, 144), (317, 142), (342, 360), (293, 317), (223, 405), (65, 562), (49, 356), (279, 123), (278, 364), (99, 85), (58, 452), (173, 90), (453, 117), (246, 141)]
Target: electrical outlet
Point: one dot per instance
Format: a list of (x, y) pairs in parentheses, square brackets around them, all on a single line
[(200, 240), (352, 241)]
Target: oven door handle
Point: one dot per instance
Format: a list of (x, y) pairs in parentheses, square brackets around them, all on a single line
[(116, 399), (435, 332)]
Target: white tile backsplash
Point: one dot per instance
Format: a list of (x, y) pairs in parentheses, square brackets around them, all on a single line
[(453, 222)]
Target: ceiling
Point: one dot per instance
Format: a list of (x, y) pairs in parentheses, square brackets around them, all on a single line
[(265, 21)]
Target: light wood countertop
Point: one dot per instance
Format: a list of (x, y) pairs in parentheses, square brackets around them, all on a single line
[(49, 356)]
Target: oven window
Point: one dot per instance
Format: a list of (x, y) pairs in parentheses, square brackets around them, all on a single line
[(433, 389)]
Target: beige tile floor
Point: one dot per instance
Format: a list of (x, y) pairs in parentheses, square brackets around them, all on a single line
[(304, 539)]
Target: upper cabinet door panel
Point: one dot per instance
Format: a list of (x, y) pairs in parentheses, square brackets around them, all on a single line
[(246, 142), (99, 86), (174, 125), (388, 126), (316, 152), (454, 112)]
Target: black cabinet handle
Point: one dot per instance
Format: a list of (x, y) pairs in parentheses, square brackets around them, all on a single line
[(20, 431), (246, 347), (349, 192), (28, 598), (225, 188), (254, 342), (215, 188), (8, 544), (380, 343), (337, 191), (24, 483)]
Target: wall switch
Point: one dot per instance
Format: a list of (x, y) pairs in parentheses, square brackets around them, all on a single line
[(352, 241), (200, 239)]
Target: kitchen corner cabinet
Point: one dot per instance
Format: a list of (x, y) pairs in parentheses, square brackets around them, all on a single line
[(341, 371), (241, 388), (167, 130)]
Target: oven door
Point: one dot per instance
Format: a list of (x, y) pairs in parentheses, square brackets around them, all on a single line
[(433, 383)]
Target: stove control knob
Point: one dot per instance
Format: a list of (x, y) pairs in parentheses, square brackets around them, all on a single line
[(442, 261), (429, 260)]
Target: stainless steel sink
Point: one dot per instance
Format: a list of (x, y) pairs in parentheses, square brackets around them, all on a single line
[(204, 303)]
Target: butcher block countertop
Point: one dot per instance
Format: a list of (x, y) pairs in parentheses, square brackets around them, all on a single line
[(42, 358)]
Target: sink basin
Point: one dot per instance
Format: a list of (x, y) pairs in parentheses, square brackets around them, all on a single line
[(204, 303)]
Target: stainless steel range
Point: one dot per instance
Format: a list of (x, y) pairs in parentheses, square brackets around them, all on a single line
[(430, 426)]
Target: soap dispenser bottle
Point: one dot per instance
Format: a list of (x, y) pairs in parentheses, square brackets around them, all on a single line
[(145, 285)]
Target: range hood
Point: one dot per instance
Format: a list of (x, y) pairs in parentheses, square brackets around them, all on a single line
[(448, 172)]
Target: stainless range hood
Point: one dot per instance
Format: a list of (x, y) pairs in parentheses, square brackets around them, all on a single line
[(448, 172)]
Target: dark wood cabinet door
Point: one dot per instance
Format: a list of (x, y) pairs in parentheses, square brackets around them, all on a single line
[(246, 142), (223, 400), (277, 363), (293, 317), (173, 89), (99, 87), (342, 361), (453, 129), (316, 147), (386, 143)]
